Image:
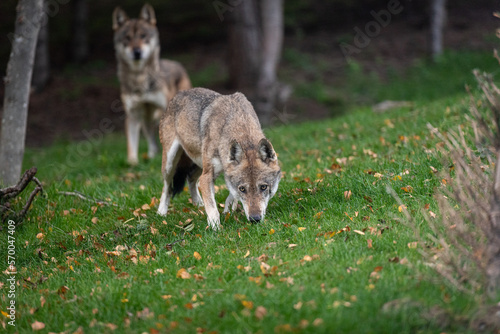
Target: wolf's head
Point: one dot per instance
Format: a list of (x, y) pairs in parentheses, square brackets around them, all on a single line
[(136, 40), (253, 176)]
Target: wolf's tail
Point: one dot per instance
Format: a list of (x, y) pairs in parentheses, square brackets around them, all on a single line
[(185, 169), (179, 180)]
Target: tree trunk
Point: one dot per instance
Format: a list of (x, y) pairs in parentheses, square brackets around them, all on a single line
[(80, 40), (438, 19), (493, 248), (17, 89), (41, 70), (256, 31), (244, 46), (272, 42)]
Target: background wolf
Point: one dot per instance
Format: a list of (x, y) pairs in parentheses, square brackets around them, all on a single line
[(146, 82), (217, 133)]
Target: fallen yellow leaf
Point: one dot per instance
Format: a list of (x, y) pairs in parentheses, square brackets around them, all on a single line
[(412, 245), (197, 256), (318, 322), (182, 273), (347, 194), (247, 304), (111, 326), (260, 312), (37, 325), (115, 253)]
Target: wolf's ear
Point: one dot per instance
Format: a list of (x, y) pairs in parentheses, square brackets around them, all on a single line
[(266, 151), (148, 14), (119, 18), (235, 152)]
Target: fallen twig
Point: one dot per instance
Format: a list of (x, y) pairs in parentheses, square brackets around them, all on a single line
[(37, 189), (85, 197), (13, 191)]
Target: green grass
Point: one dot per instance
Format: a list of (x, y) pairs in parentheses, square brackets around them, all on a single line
[(326, 283), (423, 81)]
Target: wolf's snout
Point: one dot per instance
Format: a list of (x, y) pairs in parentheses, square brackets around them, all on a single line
[(137, 53), (255, 218)]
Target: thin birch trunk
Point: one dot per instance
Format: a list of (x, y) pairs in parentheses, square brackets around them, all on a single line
[(17, 89)]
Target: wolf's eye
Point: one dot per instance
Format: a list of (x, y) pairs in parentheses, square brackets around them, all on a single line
[(143, 36), (263, 187), (242, 189)]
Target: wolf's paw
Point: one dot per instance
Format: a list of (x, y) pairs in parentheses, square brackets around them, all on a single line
[(162, 210), (230, 204), (214, 223), (197, 202), (152, 153), (133, 161), (227, 207)]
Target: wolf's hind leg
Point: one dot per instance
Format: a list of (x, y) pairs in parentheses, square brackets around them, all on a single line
[(193, 177), (171, 156)]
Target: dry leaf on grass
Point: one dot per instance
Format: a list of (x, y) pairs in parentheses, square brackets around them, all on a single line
[(182, 273), (37, 325)]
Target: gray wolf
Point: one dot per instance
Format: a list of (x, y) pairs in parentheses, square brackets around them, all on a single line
[(146, 82), (217, 134)]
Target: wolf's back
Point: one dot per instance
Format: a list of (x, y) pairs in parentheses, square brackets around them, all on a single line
[(175, 76), (188, 107)]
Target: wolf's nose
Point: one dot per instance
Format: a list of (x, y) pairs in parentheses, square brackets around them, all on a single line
[(137, 53), (255, 219)]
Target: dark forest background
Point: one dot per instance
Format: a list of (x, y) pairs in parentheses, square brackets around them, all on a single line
[(189, 23), (79, 94)]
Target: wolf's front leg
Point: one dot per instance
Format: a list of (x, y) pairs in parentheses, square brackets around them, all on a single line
[(150, 134), (133, 128), (207, 192), (231, 203), (149, 128)]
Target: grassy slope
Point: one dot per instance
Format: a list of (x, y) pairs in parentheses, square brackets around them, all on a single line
[(328, 282)]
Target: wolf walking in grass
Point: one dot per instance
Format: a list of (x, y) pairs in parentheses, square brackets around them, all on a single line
[(203, 134), (146, 82)]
